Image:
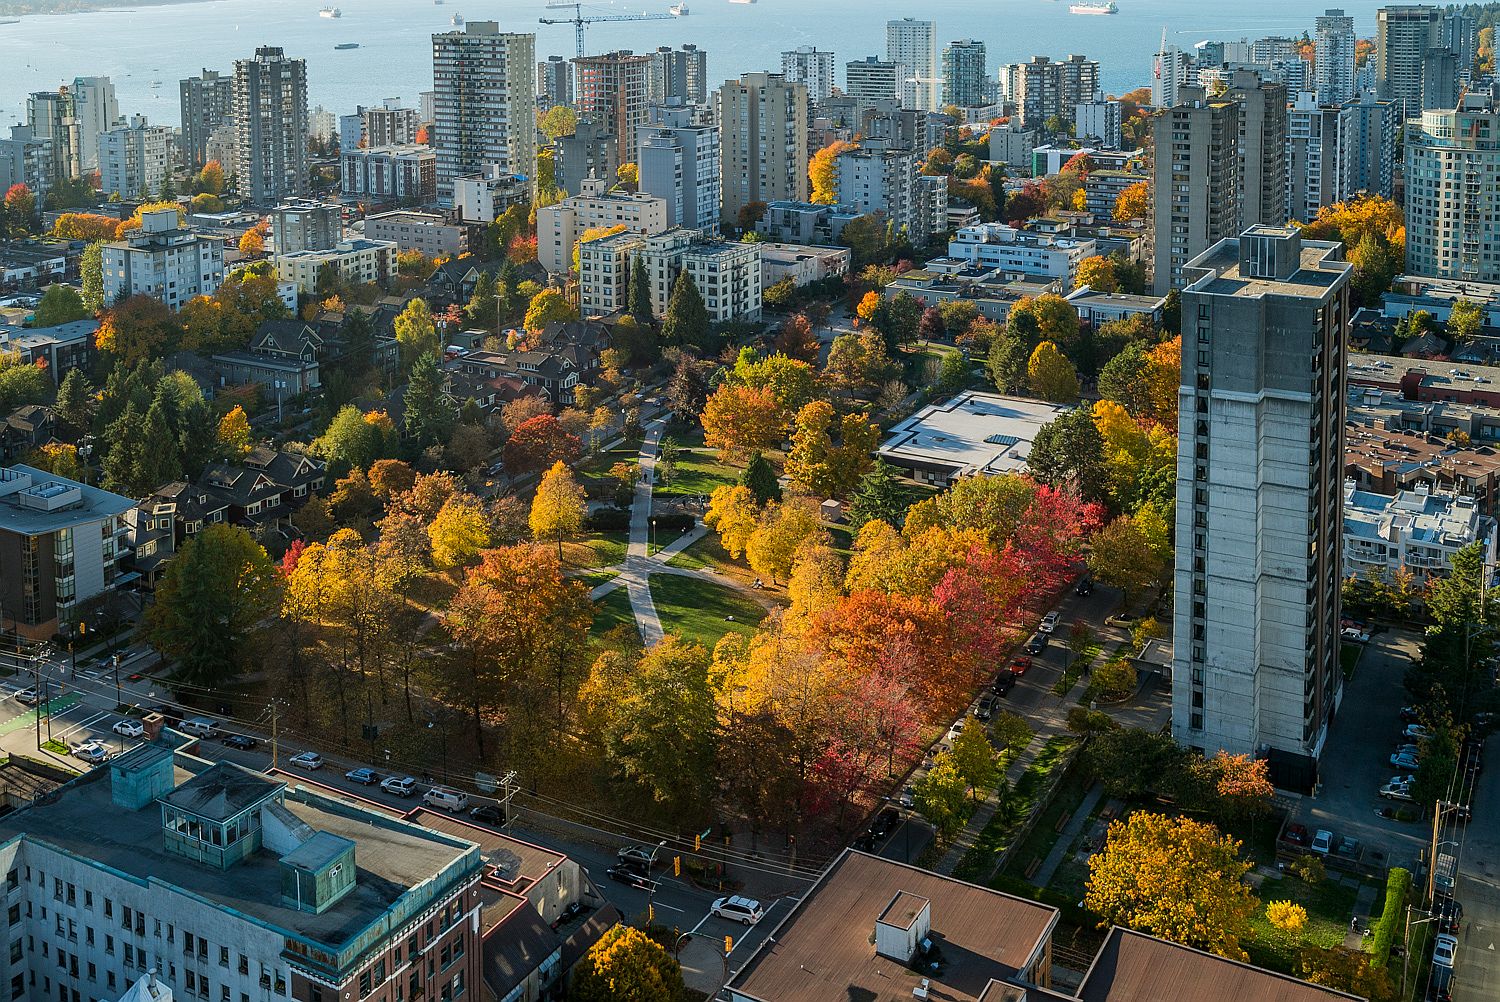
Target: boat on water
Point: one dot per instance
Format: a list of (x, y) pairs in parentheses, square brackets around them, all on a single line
[(678, 10), (330, 12), (346, 45), (741, 1), (1094, 8), (457, 20)]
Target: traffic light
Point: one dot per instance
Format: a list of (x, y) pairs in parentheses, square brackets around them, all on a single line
[(676, 866), (728, 945)]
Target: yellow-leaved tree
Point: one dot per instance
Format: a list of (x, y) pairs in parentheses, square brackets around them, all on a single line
[(1051, 375), (1098, 273), (234, 433), (458, 532), (558, 508), (733, 513), (820, 171), (1133, 203), (1286, 916)]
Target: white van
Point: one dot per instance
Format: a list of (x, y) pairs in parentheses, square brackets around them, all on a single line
[(447, 798), (200, 727)]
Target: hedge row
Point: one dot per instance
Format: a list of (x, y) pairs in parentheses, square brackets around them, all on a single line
[(1397, 887)]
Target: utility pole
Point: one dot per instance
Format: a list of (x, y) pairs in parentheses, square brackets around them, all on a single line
[(1437, 819), (511, 788), (275, 730)]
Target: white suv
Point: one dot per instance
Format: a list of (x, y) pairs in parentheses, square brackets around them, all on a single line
[(738, 909), (401, 786)]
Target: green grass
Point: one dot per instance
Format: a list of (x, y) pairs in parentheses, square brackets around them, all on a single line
[(1328, 905), (1074, 672), (706, 553), (611, 611), (594, 579), (698, 610), (699, 472), (1044, 835), (1019, 803), (600, 549)]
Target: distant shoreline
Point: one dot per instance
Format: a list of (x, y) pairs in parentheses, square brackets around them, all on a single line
[(43, 7)]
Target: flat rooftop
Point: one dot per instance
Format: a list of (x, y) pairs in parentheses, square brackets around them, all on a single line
[(1134, 967), (392, 858), (517, 864), (822, 951), (93, 504), (1314, 277), (971, 433)]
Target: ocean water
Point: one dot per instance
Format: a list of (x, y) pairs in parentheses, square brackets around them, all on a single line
[(147, 50)]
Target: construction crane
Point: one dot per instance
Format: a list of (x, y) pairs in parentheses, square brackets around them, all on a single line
[(579, 19)]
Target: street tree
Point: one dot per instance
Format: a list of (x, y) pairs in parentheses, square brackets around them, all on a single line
[(626, 965)]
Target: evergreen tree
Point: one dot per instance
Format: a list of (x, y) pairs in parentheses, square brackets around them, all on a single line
[(428, 417), (75, 403), (481, 305), (159, 462), (121, 461), (507, 291), (91, 270), (879, 495), (761, 480), (359, 342), (686, 321), (640, 294)]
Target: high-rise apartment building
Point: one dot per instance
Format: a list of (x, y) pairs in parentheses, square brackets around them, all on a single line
[(1172, 69), (913, 44), (554, 82), (300, 224), (1042, 88), (52, 115), (880, 178), (386, 125), (1459, 34), (680, 162), (763, 139), (964, 73), (1263, 124), (97, 111), (224, 883), (1320, 162), (207, 103), (1333, 68), (1259, 499), (1098, 121), (1441, 79), (612, 91), (589, 152), (1402, 37), (1196, 200), (1453, 192), (1373, 130), (484, 106), (811, 67), (677, 75), (271, 125), (871, 79), (25, 159), (132, 159)]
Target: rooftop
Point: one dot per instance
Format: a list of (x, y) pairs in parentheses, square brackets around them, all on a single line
[(1221, 271), (1437, 519), (221, 792), (34, 502), (972, 433), (394, 859), (823, 950), (1134, 967), (517, 864)]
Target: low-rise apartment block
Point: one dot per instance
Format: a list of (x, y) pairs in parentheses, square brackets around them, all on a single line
[(728, 275), (163, 260), (359, 261), (559, 226), (803, 264), (481, 198), (390, 173), (996, 246), (300, 224), (1414, 531), (804, 222), (428, 232)]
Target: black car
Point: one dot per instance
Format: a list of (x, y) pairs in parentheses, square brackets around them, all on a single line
[(885, 822), (866, 842), (628, 875), (1004, 683), (241, 741), (1037, 644), (488, 813), (1449, 915), (570, 912), (1085, 586)]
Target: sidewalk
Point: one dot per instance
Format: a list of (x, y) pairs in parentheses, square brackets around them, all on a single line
[(1070, 833)]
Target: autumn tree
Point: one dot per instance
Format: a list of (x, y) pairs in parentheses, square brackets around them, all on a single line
[(416, 334), (389, 477), (537, 443), (558, 508), (733, 512), (60, 459), (20, 206), (1175, 878), (740, 420), (253, 241), (138, 328), (458, 532), (781, 530), (546, 307), (1133, 203), (818, 465), (217, 589), (858, 364), (1122, 555), (941, 796), (234, 432), (796, 339), (1464, 320), (1098, 273), (558, 120), (626, 965), (974, 758), (1051, 375), (822, 171)]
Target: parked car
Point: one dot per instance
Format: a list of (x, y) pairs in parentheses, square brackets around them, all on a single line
[(985, 708), (1396, 791), (954, 731), (738, 909), (1354, 635), (1085, 586), (1416, 731), (129, 728), (1449, 915), (401, 786), (1405, 760), (628, 875), (489, 814), (1037, 644), (364, 777), (1403, 779), (309, 760), (1322, 842), (1019, 664), (1444, 946), (639, 853), (1409, 715), (89, 751), (1004, 683), (1349, 848), (445, 797), (26, 697), (1297, 835), (1049, 623), (865, 841), (244, 742), (570, 911), (885, 822), (908, 798)]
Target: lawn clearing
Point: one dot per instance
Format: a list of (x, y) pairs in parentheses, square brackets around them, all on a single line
[(611, 611), (1329, 905), (700, 611)]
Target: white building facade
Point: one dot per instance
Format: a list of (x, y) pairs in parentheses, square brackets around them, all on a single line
[(163, 261), (133, 159)]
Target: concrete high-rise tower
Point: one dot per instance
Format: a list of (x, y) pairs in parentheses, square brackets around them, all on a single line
[(484, 102), (1453, 192), (913, 44), (1333, 69), (271, 125), (763, 136), (612, 91), (554, 82), (680, 162), (1402, 37), (97, 111), (1263, 125), (207, 103), (1197, 145), (964, 73), (1259, 499), (811, 67)]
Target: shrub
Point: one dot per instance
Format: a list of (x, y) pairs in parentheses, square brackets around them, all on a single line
[(1114, 679), (1309, 868), (1397, 887), (608, 518)]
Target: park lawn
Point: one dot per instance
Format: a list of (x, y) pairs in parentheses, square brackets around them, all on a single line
[(1328, 905), (699, 472), (1044, 835), (594, 579), (611, 611), (978, 864), (598, 549), (433, 590), (699, 610)]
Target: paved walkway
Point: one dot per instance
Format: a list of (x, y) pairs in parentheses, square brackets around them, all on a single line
[(1069, 835)]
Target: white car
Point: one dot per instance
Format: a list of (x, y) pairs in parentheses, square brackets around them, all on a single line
[(129, 728), (1322, 842), (1416, 732), (738, 909), (89, 751), (1406, 760), (401, 786), (1354, 636), (307, 760), (1396, 791), (1444, 947), (1049, 623)]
